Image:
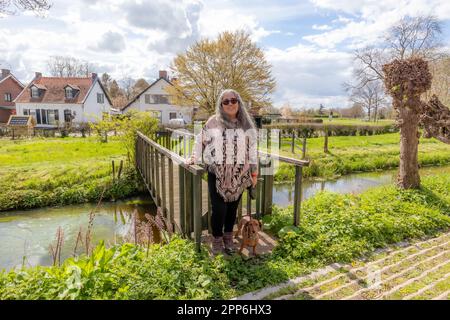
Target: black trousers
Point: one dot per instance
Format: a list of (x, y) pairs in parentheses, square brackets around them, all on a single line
[(224, 213)]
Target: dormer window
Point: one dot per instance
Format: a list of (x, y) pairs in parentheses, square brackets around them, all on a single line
[(69, 93), (34, 92)]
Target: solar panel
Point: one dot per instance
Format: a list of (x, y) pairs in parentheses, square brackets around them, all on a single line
[(18, 121)]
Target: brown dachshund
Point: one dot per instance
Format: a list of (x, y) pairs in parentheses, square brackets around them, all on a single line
[(249, 228)]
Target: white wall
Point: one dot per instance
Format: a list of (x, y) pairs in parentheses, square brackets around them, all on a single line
[(165, 109), (52, 106), (93, 109)]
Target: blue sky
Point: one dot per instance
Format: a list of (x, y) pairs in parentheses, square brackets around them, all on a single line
[(308, 43)]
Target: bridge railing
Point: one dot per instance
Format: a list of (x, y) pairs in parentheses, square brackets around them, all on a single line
[(156, 157)]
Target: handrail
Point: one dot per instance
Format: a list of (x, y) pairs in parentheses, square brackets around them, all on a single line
[(193, 168), (303, 163)]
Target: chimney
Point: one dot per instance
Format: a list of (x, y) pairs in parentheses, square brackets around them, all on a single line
[(5, 73), (163, 74), (93, 76), (37, 75)]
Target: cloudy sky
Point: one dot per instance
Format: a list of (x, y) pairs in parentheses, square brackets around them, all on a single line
[(308, 43)]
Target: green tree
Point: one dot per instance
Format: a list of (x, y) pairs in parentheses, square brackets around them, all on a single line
[(232, 61)]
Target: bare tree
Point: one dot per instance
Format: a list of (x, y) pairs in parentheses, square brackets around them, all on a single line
[(60, 66), (127, 86), (11, 7), (370, 96), (403, 57)]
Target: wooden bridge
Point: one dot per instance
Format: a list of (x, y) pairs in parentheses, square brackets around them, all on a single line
[(181, 192)]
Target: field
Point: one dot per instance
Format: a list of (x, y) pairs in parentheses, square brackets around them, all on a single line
[(41, 172), (350, 154)]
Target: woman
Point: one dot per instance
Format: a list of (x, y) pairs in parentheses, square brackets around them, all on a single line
[(227, 143)]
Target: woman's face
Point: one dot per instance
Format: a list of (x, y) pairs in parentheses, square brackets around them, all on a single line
[(230, 104)]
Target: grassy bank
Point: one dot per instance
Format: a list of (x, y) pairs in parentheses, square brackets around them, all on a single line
[(45, 172), (358, 154), (333, 228)]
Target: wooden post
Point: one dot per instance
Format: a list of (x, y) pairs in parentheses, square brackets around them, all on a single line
[(188, 202), (268, 190), (181, 174), (120, 169), (153, 171), (171, 193), (325, 144), (163, 185), (297, 194), (293, 142), (304, 148), (249, 203), (158, 190), (197, 209), (113, 171)]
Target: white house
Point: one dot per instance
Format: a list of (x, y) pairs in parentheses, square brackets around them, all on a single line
[(57, 100), (155, 99)]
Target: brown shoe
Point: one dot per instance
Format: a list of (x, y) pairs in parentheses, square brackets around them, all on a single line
[(217, 245), (228, 242)]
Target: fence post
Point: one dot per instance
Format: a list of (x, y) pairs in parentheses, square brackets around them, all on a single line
[(304, 148), (181, 173), (293, 142), (188, 202), (297, 194), (197, 209)]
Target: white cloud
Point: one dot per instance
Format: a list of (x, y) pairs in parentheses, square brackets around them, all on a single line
[(321, 27), (307, 76)]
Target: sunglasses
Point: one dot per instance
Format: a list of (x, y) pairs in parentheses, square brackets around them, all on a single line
[(233, 101)]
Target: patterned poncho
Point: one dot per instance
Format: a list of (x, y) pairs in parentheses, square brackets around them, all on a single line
[(230, 154)]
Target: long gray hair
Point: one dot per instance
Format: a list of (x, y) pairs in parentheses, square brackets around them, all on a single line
[(244, 118)]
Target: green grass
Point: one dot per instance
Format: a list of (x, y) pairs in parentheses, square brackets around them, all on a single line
[(358, 154), (334, 228), (43, 172)]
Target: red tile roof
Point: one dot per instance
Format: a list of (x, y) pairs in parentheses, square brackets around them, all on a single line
[(54, 90)]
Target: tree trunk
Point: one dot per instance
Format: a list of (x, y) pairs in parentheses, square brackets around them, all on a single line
[(408, 175)]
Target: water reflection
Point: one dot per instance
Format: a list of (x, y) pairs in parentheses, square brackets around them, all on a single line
[(28, 234)]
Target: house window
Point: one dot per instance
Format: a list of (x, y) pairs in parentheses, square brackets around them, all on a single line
[(69, 93), (26, 112), (67, 116), (156, 99), (34, 92), (156, 115), (100, 98), (172, 115), (8, 97)]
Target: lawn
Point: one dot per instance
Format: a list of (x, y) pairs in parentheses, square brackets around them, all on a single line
[(58, 171), (351, 154)]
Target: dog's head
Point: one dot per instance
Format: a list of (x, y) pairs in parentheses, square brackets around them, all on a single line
[(253, 226)]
